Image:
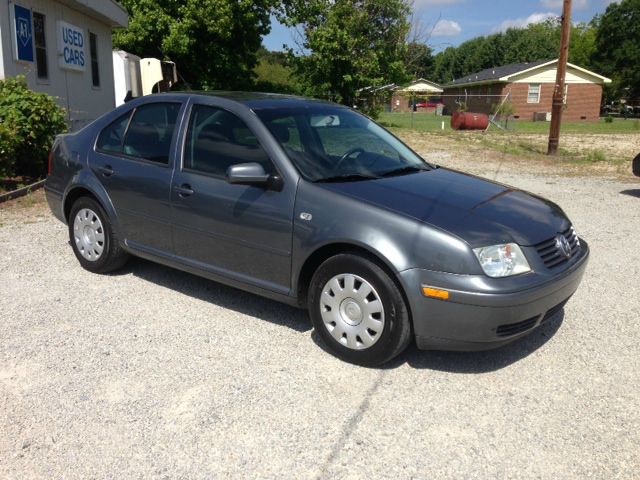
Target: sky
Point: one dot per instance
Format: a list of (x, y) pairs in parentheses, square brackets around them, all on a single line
[(451, 22)]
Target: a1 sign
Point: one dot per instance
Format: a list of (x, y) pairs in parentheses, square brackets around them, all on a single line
[(23, 34), (71, 47)]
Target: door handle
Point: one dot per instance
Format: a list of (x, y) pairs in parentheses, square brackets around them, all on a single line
[(184, 190), (107, 170)]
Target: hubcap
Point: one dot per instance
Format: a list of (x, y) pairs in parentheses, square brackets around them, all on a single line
[(88, 234), (352, 311)]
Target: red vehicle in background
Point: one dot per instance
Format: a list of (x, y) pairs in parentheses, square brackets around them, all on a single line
[(429, 104)]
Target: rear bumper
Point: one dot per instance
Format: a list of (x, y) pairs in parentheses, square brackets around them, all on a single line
[(476, 320), (54, 199)]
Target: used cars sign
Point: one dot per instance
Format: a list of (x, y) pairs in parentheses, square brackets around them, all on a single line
[(71, 47)]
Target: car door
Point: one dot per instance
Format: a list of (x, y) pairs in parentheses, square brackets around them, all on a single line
[(238, 231), (133, 161)]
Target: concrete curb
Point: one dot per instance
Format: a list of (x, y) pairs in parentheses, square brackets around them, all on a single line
[(21, 192)]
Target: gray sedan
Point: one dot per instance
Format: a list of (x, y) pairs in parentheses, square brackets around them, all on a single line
[(315, 205)]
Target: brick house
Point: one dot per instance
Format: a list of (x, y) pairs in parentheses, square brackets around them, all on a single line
[(529, 87)]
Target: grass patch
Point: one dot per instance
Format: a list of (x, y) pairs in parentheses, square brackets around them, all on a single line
[(517, 147), (425, 122), (595, 156), (428, 122), (528, 140), (528, 149)]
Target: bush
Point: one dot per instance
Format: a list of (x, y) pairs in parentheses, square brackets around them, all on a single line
[(608, 119), (596, 156), (29, 121)]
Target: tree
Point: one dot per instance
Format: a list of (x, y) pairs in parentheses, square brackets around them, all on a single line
[(445, 66), (540, 41), (274, 73), (582, 47), (617, 52), (418, 60), (213, 43), (348, 45)]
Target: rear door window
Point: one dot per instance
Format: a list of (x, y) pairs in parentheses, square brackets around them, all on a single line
[(150, 132)]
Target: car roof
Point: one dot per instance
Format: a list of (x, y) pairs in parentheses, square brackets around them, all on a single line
[(258, 99)]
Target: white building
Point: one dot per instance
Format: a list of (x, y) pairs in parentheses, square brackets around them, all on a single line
[(63, 48)]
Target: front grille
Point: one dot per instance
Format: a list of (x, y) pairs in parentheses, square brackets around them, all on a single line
[(552, 255), (515, 328)]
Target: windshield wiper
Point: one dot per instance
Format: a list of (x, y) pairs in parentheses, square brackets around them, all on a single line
[(351, 177), (404, 171)]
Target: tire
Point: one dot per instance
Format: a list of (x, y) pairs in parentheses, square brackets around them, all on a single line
[(366, 320), (92, 237), (636, 166)]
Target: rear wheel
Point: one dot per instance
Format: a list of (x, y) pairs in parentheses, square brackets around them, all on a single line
[(358, 310), (92, 238)]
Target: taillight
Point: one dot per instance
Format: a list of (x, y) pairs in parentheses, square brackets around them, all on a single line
[(50, 165)]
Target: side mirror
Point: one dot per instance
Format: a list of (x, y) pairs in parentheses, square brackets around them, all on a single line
[(252, 174)]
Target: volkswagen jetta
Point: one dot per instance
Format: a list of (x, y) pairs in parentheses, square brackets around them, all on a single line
[(315, 205)]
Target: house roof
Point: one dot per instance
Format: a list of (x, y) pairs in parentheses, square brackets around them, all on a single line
[(421, 86), (506, 73), (107, 11)]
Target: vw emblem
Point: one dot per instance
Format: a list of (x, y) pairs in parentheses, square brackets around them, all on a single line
[(562, 244)]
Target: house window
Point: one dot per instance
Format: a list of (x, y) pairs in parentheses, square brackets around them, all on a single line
[(534, 93), (93, 50), (41, 45)]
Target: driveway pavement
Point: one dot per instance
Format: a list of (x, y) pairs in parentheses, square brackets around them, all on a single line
[(154, 373)]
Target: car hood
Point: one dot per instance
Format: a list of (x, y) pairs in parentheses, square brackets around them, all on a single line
[(478, 211)]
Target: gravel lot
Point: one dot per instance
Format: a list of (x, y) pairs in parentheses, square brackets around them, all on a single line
[(154, 373)]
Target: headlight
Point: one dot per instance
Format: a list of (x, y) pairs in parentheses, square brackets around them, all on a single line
[(502, 260)]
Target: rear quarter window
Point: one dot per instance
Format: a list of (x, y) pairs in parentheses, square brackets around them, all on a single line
[(111, 138), (150, 132)]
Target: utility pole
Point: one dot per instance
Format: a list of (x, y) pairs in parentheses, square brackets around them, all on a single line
[(558, 93)]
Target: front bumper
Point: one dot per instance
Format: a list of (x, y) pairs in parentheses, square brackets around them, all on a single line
[(479, 316)]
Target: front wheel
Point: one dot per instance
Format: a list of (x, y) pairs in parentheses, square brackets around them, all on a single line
[(92, 238), (358, 310)]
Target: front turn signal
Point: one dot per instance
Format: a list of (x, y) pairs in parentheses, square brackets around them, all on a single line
[(435, 293)]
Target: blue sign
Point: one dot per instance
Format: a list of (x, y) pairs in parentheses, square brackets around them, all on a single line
[(24, 34)]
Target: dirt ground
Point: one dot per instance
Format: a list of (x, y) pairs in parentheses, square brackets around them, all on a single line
[(154, 373), (29, 209), (621, 145), (477, 152)]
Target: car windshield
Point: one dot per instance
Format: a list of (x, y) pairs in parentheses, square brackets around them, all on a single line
[(330, 143)]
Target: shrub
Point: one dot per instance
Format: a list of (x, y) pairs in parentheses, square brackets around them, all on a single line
[(596, 156), (503, 111), (29, 121), (608, 119)]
